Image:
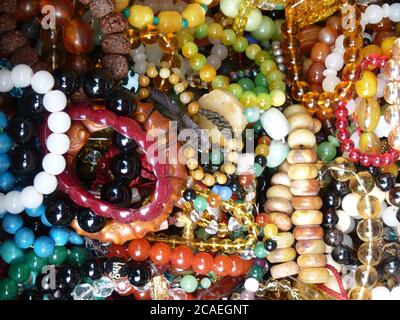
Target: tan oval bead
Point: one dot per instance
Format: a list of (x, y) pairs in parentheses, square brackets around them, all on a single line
[(293, 109), (308, 232), (278, 204), (284, 270), (317, 125), (300, 121), (284, 240), (281, 178), (279, 191), (281, 220), (282, 255), (302, 139), (302, 156), (306, 203), (310, 246), (306, 217), (284, 167), (308, 187), (311, 261), (302, 171), (313, 275)]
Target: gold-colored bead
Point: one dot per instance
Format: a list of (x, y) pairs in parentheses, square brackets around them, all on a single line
[(143, 93), (198, 174), (193, 108), (173, 78), (144, 81), (192, 164), (208, 180)]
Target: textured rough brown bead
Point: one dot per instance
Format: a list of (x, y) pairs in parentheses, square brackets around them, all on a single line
[(117, 43), (101, 8), (11, 42), (25, 55), (7, 22), (117, 65), (113, 23)]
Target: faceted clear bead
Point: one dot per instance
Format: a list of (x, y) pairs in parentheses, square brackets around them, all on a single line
[(83, 292), (103, 287)]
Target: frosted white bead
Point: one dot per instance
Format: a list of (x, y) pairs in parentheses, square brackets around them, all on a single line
[(394, 13), (351, 106), (45, 183), (31, 198), (21, 75), (251, 284), (6, 83), (386, 10), (2, 209), (275, 124), (378, 193), (339, 41), (339, 50), (13, 203), (329, 72), (53, 163), (58, 143), (349, 205), (140, 67), (374, 13), (139, 57), (329, 83), (380, 293), (334, 61), (389, 216), (59, 122), (55, 101), (395, 294), (42, 82), (245, 163), (345, 223)]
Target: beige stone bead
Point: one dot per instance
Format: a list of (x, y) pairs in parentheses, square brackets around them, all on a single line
[(302, 156), (281, 178), (293, 109), (302, 171), (278, 204), (284, 270), (306, 217), (300, 121), (282, 255), (301, 139), (310, 246), (310, 232), (284, 240), (313, 275), (306, 203), (311, 261), (309, 187), (281, 220), (279, 191)]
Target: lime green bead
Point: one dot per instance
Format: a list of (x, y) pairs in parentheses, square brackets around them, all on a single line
[(8, 289), (19, 272), (266, 30), (260, 80), (246, 83), (200, 203), (240, 44), (278, 33), (248, 99), (235, 89), (229, 37), (252, 50), (201, 31), (260, 251), (326, 151), (264, 101), (261, 57), (275, 75), (189, 283), (259, 89), (198, 61), (77, 256), (267, 66), (59, 256), (277, 85), (205, 283), (34, 262), (255, 272), (220, 82), (278, 98)]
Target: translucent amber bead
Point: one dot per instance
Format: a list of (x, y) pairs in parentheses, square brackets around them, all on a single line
[(394, 138), (310, 101), (352, 55), (361, 183), (207, 73), (168, 43), (299, 89), (369, 142), (351, 72), (367, 86), (342, 169), (366, 276), (344, 90), (353, 39), (370, 253), (360, 293), (194, 14), (141, 16), (391, 93), (368, 113), (169, 21), (368, 207), (326, 101), (369, 230), (149, 35)]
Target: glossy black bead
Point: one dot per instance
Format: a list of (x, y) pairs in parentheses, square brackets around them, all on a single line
[(331, 199), (116, 193), (89, 221), (60, 210), (341, 187), (116, 268), (66, 80), (21, 129), (189, 195), (31, 295), (385, 181), (341, 254), (121, 101), (24, 160), (123, 143), (391, 266), (31, 102), (330, 218), (333, 237), (139, 274), (125, 167), (98, 84), (92, 269), (68, 276), (394, 196), (374, 171), (261, 160), (270, 245), (235, 186)]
